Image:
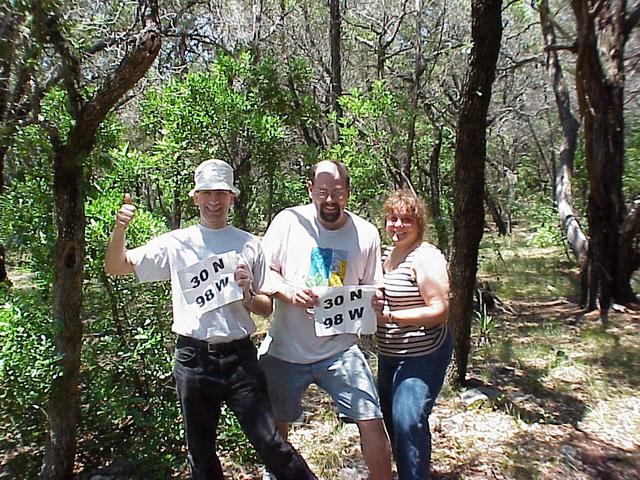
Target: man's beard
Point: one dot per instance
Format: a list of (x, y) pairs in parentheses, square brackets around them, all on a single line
[(330, 217)]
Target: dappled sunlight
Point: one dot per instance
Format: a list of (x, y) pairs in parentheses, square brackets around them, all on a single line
[(604, 421), (566, 406), (562, 452), (517, 271)]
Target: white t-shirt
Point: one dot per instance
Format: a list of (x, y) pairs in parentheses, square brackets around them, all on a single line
[(308, 255), (167, 255)]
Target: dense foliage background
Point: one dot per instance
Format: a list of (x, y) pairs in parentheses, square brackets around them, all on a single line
[(252, 83)]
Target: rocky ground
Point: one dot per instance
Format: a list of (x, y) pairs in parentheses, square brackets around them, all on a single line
[(555, 396)]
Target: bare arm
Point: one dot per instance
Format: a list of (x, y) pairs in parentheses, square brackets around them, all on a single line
[(258, 303), (115, 258), (302, 297), (430, 269)]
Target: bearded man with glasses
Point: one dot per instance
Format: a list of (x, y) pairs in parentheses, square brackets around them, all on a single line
[(321, 244)]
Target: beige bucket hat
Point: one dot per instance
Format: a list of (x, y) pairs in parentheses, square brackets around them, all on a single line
[(213, 175)]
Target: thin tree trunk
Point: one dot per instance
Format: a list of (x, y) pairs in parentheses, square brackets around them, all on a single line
[(434, 183), (571, 227), (241, 202), (311, 133), (9, 22), (335, 32), (628, 256), (495, 213), (175, 215), (418, 70), (4, 277), (269, 212), (468, 222)]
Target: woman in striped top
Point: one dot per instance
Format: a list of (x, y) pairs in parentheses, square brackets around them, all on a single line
[(414, 343)]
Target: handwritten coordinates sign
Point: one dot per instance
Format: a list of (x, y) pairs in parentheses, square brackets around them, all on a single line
[(210, 284), (345, 310)]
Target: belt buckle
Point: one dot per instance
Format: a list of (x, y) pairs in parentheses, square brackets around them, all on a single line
[(212, 347)]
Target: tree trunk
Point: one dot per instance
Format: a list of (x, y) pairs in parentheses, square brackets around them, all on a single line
[(4, 277), (335, 30), (311, 133), (69, 251), (571, 227), (468, 221), (9, 22), (434, 184), (628, 256), (241, 204), (602, 33), (496, 215), (68, 267), (418, 70)]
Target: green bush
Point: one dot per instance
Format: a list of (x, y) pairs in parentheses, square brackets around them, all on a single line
[(28, 364)]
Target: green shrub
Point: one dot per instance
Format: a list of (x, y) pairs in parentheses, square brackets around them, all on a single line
[(28, 364)]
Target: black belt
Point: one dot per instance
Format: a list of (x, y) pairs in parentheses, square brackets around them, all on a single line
[(222, 348)]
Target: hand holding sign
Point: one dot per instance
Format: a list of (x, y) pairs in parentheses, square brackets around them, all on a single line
[(211, 284), (345, 310), (243, 277), (377, 302), (304, 297)]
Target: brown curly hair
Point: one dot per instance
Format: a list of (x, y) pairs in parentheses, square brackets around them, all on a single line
[(407, 203)]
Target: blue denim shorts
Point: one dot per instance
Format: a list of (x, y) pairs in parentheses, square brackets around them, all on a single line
[(346, 377)]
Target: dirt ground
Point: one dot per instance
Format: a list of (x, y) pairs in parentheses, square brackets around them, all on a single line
[(563, 402), (570, 412)]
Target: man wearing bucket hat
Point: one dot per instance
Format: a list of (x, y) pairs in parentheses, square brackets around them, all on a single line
[(215, 270)]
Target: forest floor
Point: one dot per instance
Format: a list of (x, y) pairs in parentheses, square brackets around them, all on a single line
[(554, 395)]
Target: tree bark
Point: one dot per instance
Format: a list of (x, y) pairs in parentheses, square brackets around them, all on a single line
[(68, 263), (69, 251), (571, 227), (335, 32), (434, 184), (602, 32), (418, 70), (9, 22), (241, 205), (468, 218), (629, 256), (495, 213), (4, 277)]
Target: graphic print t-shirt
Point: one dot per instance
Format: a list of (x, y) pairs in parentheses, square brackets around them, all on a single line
[(327, 267), (308, 255)]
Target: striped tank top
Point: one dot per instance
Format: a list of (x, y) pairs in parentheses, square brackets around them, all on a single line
[(401, 292)]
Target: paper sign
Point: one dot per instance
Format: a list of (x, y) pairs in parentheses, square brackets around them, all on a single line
[(210, 284), (345, 310)]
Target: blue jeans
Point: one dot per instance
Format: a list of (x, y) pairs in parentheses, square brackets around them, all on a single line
[(231, 374), (408, 388)]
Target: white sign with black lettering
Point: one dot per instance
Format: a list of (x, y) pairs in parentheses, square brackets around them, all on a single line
[(345, 310), (210, 284)]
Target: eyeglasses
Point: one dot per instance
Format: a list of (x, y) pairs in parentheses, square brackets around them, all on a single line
[(403, 221), (337, 194)]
